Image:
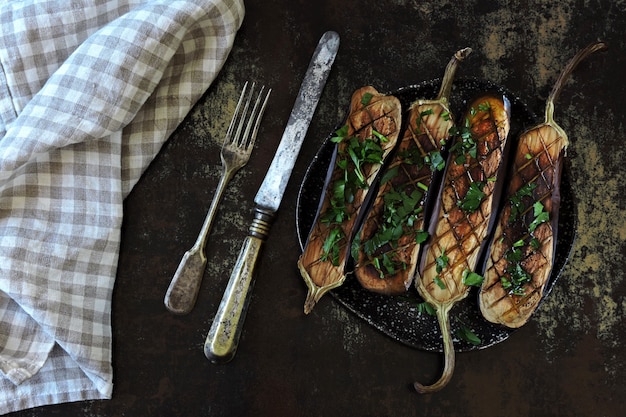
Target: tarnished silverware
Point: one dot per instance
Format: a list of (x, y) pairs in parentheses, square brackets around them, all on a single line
[(236, 149), (221, 342)]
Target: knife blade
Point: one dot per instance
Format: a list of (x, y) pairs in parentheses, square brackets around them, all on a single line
[(223, 338)]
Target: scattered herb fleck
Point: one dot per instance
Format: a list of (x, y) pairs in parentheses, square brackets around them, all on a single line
[(441, 261), (367, 97), (439, 283), (426, 307), (466, 334)]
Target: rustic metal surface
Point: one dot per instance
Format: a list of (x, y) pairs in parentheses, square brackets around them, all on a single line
[(569, 360)]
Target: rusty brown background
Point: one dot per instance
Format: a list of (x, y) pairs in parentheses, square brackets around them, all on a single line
[(568, 361)]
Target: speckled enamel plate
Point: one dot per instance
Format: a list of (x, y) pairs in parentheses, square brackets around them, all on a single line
[(398, 316)]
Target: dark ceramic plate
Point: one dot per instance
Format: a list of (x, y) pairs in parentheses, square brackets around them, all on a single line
[(398, 316)]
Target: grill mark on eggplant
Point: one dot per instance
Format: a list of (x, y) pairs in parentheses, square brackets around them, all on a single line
[(383, 114), (538, 161), (458, 234), (429, 123)]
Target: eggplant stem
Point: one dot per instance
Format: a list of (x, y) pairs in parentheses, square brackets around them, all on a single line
[(567, 71), (449, 74), (314, 291), (443, 317)]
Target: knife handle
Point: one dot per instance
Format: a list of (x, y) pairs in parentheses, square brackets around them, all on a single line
[(223, 338)]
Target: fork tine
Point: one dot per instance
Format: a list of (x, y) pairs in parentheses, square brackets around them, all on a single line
[(233, 121), (238, 139), (255, 119)]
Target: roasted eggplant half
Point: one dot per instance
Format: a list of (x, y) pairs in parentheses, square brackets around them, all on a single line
[(523, 248), (462, 219), (363, 144)]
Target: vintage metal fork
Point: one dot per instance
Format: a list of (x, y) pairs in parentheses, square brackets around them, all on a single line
[(238, 144)]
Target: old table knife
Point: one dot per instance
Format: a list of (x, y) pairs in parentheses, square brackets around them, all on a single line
[(223, 338)]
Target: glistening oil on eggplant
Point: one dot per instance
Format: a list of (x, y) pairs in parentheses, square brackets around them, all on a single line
[(398, 316)]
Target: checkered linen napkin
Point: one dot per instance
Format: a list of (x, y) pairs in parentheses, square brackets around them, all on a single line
[(89, 91)]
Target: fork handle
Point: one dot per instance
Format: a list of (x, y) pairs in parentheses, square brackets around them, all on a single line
[(182, 292), (223, 338)]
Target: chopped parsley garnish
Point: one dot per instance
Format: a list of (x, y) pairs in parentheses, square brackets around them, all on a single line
[(473, 198), (439, 283), (464, 144), (426, 113), (366, 98), (441, 261), (466, 334), (426, 307), (472, 278), (517, 201), (413, 156), (541, 216), (515, 279), (351, 159), (435, 161), (330, 249), (401, 210), (484, 106)]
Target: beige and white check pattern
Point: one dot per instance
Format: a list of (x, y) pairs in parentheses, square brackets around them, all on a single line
[(89, 92)]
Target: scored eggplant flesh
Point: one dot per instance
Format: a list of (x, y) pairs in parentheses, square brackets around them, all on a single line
[(387, 247), (463, 215), (522, 252), (373, 118)]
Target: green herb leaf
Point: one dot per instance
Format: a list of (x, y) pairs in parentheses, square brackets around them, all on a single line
[(439, 283), (435, 161), (389, 174), (426, 113), (466, 334), (517, 201), (464, 144), (421, 236), (484, 106), (380, 136), (340, 134), (534, 243), (541, 216), (473, 198), (366, 98), (472, 278), (425, 307), (330, 248), (441, 261)]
